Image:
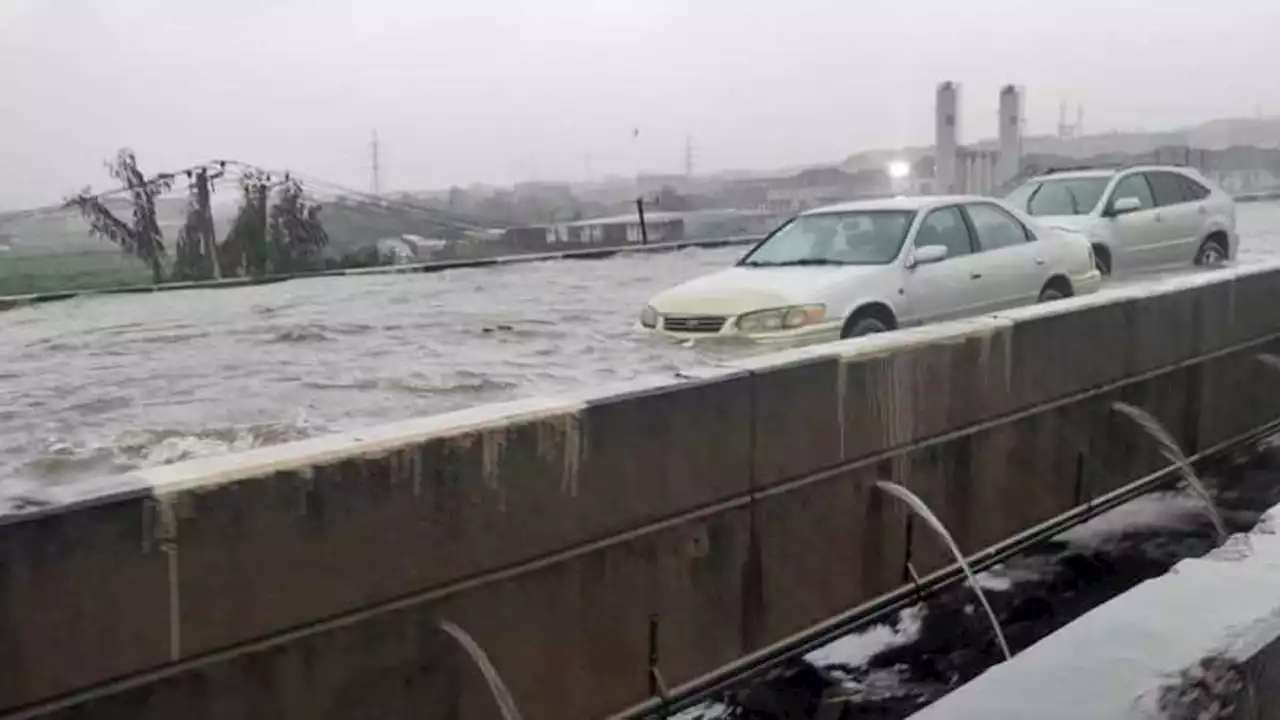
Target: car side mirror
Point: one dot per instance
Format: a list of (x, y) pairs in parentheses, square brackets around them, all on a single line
[(926, 255), (1124, 205)]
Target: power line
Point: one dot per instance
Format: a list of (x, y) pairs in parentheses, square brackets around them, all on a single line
[(234, 170), (64, 207), (373, 150)]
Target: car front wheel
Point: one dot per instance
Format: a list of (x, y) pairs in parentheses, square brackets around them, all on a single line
[(866, 325), (1050, 294)]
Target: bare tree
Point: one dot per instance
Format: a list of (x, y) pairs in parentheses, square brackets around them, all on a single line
[(142, 238)]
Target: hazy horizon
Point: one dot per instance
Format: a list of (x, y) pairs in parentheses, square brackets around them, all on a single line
[(502, 91)]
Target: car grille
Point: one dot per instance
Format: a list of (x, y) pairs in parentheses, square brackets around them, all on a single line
[(693, 323)]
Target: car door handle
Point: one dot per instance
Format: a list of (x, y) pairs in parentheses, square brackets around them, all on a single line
[(1201, 210), (975, 276), (1158, 216), (1039, 261)]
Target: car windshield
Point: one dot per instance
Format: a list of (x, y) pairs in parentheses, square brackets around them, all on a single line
[(871, 237), (1062, 196)]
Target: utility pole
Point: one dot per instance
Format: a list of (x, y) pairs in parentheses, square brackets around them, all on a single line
[(208, 242), (644, 229), (264, 194), (688, 156), (376, 167)]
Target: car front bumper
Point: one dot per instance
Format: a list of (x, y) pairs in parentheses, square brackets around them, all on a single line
[(821, 332)]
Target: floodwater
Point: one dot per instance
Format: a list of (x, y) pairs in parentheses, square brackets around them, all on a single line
[(100, 385)]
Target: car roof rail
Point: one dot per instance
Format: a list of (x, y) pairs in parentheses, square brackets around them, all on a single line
[(1078, 168), (1120, 166)]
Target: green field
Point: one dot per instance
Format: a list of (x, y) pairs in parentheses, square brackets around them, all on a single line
[(24, 273)]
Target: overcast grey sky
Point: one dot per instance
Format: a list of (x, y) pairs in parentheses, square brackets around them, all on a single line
[(502, 90)]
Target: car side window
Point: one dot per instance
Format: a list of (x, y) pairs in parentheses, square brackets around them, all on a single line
[(1134, 186), (996, 228), (1167, 188), (946, 227), (1193, 190)]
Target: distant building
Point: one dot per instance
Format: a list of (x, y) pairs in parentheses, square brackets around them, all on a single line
[(824, 186), (1245, 180), (408, 248), (921, 179), (621, 230)]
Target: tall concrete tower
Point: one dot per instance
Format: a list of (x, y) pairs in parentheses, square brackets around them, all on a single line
[(1010, 160), (946, 144)]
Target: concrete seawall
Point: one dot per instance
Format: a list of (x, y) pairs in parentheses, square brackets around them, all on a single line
[(724, 512)]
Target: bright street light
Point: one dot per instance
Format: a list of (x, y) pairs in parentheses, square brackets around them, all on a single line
[(899, 169)]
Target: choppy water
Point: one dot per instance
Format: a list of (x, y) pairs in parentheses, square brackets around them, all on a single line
[(99, 385)]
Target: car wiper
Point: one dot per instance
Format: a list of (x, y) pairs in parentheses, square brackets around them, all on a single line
[(1075, 204), (811, 261)]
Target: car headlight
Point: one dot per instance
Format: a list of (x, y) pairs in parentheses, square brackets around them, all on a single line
[(786, 318), (649, 317)]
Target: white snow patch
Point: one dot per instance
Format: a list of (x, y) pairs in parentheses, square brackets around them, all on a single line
[(1157, 511), (1114, 661)]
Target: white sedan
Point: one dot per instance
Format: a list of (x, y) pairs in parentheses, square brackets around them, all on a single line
[(876, 265)]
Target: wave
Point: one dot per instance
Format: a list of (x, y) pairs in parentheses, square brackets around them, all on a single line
[(151, 447), (302, 334)]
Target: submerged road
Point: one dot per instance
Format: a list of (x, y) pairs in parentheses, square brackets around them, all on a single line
[(99, 385)]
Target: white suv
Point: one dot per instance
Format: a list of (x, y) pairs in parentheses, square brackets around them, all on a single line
[(1137, 218)]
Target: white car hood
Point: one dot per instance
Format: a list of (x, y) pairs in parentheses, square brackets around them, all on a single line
[(1073, 223), (742, 289)]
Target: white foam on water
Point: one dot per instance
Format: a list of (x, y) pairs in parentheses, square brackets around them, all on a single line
[(856, 649), (994, 581), (302, 454), (709, 710), (1156, 511)]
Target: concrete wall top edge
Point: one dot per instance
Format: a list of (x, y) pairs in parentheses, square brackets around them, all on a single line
[(875, 345), (1255, 267), (1125, 293), (1118, 659), (71, 496), (1110, 296), (941, 333), (217, 470), (613, 392)]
